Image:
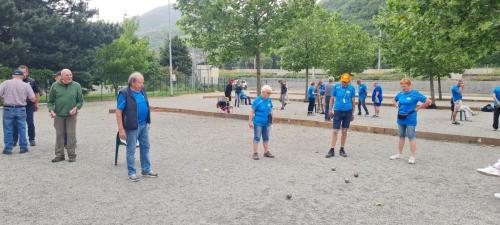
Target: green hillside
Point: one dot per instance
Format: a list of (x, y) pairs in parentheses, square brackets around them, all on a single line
[(155, 25)]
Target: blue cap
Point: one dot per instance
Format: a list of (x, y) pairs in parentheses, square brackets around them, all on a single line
[(18, 72)]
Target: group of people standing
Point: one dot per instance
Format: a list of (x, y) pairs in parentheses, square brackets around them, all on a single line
[(340, 100), (239, 92), (20, 100)]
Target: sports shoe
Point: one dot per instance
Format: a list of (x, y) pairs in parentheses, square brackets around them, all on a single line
[(33, 143), (57, 159), (497, 195), (150, 174), (268, 155), (489, 171), (255, 156), (411, 160), (6, 152), (330, 153), (133, 178), (23, 151), (456, 123), (393, 157), (72, 160), (342, 153)]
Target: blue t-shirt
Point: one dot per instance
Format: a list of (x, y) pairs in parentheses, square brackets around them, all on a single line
[(310, 92), (407, 102), (343, 97), (362, 89), (262, 108), (455, 92), (496, 91), (322, 89), (377, 89), (142, 106)]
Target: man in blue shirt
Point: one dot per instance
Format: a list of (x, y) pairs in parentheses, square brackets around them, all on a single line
[(377, 98), (496, 114), (133, 117), (362, 93), (456, 94), (311, 97), (342, 102)]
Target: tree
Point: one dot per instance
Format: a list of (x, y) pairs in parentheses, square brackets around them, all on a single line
[(123, 56), (227, 30), (181, 60), (433, 38), (348, 48), (305, 46)]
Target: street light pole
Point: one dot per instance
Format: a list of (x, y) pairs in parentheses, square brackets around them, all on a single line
[(170, 49)]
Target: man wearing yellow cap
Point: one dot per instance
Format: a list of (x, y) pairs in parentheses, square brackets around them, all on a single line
[(341, 108)]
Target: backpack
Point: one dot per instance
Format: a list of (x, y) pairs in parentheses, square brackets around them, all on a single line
[(488, 108)]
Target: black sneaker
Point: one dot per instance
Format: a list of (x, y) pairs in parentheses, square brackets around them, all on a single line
[(6, 152), (23, 151), (57, 159), (72, 160), (33, 143), (359, 114), (330, 153), (342, 152)]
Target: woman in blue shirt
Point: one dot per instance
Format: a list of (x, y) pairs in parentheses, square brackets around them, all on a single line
[(406, 102), (311, 97), (260, 119)]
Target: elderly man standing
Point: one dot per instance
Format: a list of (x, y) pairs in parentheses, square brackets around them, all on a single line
[(31, 107), (15, 94), (133, 118), (65, 99)]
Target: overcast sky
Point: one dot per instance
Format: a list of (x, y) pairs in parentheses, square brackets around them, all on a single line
[(113, 10)]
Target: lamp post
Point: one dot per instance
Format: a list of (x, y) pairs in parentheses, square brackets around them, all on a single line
[(170, 49)]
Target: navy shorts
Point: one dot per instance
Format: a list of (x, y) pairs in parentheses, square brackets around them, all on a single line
[(342, 118)]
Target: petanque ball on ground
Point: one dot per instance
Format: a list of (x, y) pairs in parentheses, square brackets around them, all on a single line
[(288, 196), (347, 181), (356, 175), (334, 169)]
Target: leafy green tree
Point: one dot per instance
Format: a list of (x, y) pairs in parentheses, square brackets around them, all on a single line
[(305, 46), (181, 60), (433, 38), (123, 56), (227, 30), (348, 48)]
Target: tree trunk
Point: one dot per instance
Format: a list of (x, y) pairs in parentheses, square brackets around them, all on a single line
[(307, 84), (433, 94), (257, 66), (439, 88)]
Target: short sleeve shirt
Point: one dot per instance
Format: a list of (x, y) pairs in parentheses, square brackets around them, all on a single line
[(407, 102), (343, 97), (142, 105), (262, 108), (455, 92), (15, 92), (362, 90), (496, 91), (377, 90)]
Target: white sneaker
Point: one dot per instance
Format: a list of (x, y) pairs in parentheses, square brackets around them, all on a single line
[(497, 195), (489, 171), (411, 160), (393, 157)]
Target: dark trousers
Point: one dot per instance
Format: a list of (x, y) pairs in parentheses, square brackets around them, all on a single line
[(310, 107), (30, 116), (362, 102), (496, 114), (327, 107)]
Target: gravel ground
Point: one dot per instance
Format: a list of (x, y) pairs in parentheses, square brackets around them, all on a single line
[(207, 177), (437, 121)]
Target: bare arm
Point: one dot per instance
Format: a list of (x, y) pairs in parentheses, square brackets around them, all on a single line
[(250, 118), (423, 106), (119, 121), (332, 101)]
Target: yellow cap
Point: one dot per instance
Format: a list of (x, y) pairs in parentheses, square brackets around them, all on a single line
[(345, 77)]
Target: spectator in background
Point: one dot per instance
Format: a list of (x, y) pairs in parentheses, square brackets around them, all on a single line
[(407, 104), (237, 94), (377, 98), (15, 94), (456, 92), (31, 108), (496, 113), (362, 93), (321, 97), (328, 95), (229, 90), (311, 98), (284, 91), (64, 102)]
